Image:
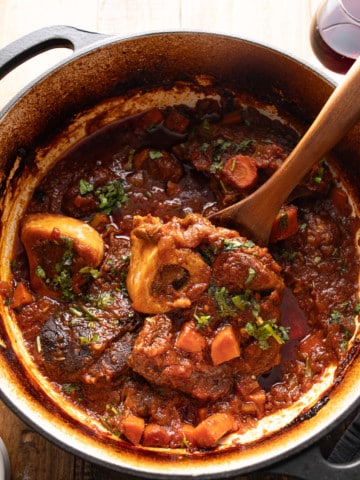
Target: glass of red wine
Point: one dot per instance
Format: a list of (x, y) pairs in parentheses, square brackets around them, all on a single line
[(335, 34)]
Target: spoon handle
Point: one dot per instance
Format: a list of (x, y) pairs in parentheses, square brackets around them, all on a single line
[(257, 212)]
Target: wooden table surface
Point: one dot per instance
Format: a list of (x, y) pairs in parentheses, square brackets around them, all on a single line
[(283, 24)]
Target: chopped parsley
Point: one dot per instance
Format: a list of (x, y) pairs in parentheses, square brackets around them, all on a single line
[(155, 154), (62, 279), (225, 305), (262, 331), (234, 243), (229, 306), (251, 276), (109, 196), (221, 146)]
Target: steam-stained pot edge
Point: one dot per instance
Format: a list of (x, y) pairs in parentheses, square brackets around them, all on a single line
[(63, 105)]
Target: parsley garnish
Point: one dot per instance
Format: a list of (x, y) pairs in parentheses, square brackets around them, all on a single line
[(109, 196), (262, 332), (85, 187), (155, 154), (202, 320), (234, 243), (225, 305)]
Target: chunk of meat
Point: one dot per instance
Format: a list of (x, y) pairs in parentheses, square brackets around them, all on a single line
[(201, 355), (163, 275), (58, 248), (90, 344), (160, 164), (155, 358), (238, 270)]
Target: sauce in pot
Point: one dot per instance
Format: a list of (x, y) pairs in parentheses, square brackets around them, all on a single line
[(171, 331)]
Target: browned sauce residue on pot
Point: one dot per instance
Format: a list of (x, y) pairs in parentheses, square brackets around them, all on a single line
[(183, 331)]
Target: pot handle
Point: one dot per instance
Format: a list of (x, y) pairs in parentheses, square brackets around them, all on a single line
[(343, 462), (42, 40)]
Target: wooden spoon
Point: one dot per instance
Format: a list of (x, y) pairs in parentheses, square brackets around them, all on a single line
[(256, 213)]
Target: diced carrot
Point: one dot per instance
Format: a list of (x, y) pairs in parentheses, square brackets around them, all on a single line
[(232, 117), (99, 221), (155, 436), (22, 296), (133, 428), (5, 289), (225, 346), (240, 171), (172, 188), (152, 117), (189, 339), (176, 122), (140, 158), (285, 224), (249, 408), (340, 200), (210, 430), (258, 397)]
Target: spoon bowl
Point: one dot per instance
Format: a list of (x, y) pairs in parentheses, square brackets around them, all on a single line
[(255, 214)]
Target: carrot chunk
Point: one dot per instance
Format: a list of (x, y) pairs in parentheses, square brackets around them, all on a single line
[(133, 428), (188, 434), (189, 339), (155, 436), (151, 118), (22, 296), (285, 224), (340, 200), (225, 346), (240, 171), (210, 430), (176, 122)]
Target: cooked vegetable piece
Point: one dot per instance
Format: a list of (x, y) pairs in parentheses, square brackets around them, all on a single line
[(240, 171), (156, 435), (151, 118), (230, 118), (188, 432), (210, 430), (225, 346), (189, 339), (340, 200), (22, 296), (58, 247), (176, 122), (133, 428), (285, 224)]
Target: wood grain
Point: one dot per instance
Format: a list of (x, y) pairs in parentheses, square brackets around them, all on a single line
[(282, 24)]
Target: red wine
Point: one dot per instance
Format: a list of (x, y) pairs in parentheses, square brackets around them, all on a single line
[(335, 34)]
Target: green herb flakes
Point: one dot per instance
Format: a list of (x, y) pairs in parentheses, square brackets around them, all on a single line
[(265, 330), (85, 187)]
